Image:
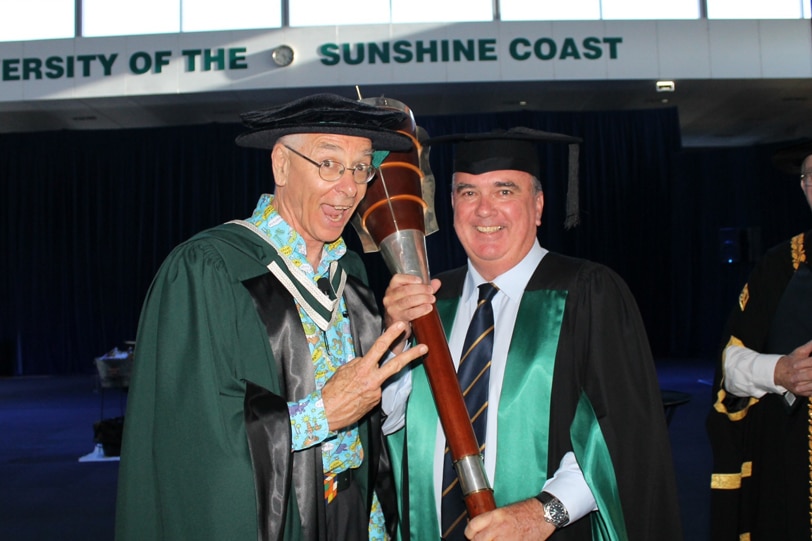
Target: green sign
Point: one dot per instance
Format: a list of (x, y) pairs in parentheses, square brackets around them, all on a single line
[(520, 49), (469, 50)]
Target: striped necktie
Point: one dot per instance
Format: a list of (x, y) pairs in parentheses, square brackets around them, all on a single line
[(473, 375)]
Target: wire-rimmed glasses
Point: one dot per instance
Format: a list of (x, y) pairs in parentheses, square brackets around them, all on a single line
[(331, 170)]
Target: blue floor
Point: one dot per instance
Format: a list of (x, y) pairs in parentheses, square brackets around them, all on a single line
[(689, 442), (46, 423), (46, 494)]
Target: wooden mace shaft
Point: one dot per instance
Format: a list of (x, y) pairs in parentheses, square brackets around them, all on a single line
[(394, 203), (450, 403)]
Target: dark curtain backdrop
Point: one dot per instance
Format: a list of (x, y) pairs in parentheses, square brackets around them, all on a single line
[(88, 216), (721, 194)]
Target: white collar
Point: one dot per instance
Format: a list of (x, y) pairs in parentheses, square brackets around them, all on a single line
[(511, 282)]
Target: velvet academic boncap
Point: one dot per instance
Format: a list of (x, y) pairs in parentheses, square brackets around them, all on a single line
[(514, 149), (325, 113)]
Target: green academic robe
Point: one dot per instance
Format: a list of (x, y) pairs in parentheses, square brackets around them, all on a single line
[(220, 349), (585, 383)]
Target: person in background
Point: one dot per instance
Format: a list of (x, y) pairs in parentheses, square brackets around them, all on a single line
[(254, 407), (575, 441), (760, 426)]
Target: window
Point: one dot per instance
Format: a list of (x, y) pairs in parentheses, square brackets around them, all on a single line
[(758, 9), (331, 12), (649, 9), (129, 17), (211, 15), (37, 19), (538, 10), (429, 11)]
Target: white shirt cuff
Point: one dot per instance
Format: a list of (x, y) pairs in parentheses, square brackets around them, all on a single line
[(569, 486), (749, 373)]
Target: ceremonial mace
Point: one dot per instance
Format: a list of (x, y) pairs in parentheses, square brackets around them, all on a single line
[(395, 217)]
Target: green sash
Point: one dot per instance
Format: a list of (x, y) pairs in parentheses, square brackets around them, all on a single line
[(421, 435), (421, 427), (524, 406), (592, 454)]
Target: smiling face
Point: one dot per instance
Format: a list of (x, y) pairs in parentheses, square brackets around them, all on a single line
[(495, 216), (317, 209)]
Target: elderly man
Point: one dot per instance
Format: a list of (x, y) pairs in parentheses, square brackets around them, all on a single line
[(565, 402), (254, 406), (759, 426)]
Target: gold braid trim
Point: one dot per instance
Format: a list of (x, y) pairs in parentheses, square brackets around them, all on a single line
[(799, 257), (744, 296), (798, 252), (721, 394), (731, 481)]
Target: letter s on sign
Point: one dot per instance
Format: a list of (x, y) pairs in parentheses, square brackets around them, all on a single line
[(330, 54)]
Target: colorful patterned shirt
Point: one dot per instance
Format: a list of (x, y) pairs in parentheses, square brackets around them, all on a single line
[(329, 350)]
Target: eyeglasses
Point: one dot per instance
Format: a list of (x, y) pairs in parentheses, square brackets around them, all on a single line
[(332, 171), (806, 178)]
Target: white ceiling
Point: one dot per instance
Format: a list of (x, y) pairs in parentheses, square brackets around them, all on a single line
[(712, 112)]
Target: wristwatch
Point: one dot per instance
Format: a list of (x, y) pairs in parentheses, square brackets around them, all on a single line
[(554, 511)]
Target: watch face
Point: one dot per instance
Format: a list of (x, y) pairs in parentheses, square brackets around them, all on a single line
[(556, 513), (282, 55)]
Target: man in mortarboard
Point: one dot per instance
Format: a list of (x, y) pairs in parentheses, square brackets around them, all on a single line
[(253, 410), (574, 440), (760, 423)]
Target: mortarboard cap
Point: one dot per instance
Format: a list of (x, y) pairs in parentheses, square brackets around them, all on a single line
[(514, 149), (325, 113)]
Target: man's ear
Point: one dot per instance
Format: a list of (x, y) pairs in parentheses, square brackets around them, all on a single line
[(539, 207), (280, 164)]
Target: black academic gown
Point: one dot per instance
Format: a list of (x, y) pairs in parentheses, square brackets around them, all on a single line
[(761, 461), (220, 351), (579, 322)]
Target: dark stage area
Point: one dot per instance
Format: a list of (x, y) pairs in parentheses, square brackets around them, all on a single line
[(47, 494)]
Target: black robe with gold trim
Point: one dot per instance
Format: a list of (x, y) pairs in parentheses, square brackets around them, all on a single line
[(760, 486)]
